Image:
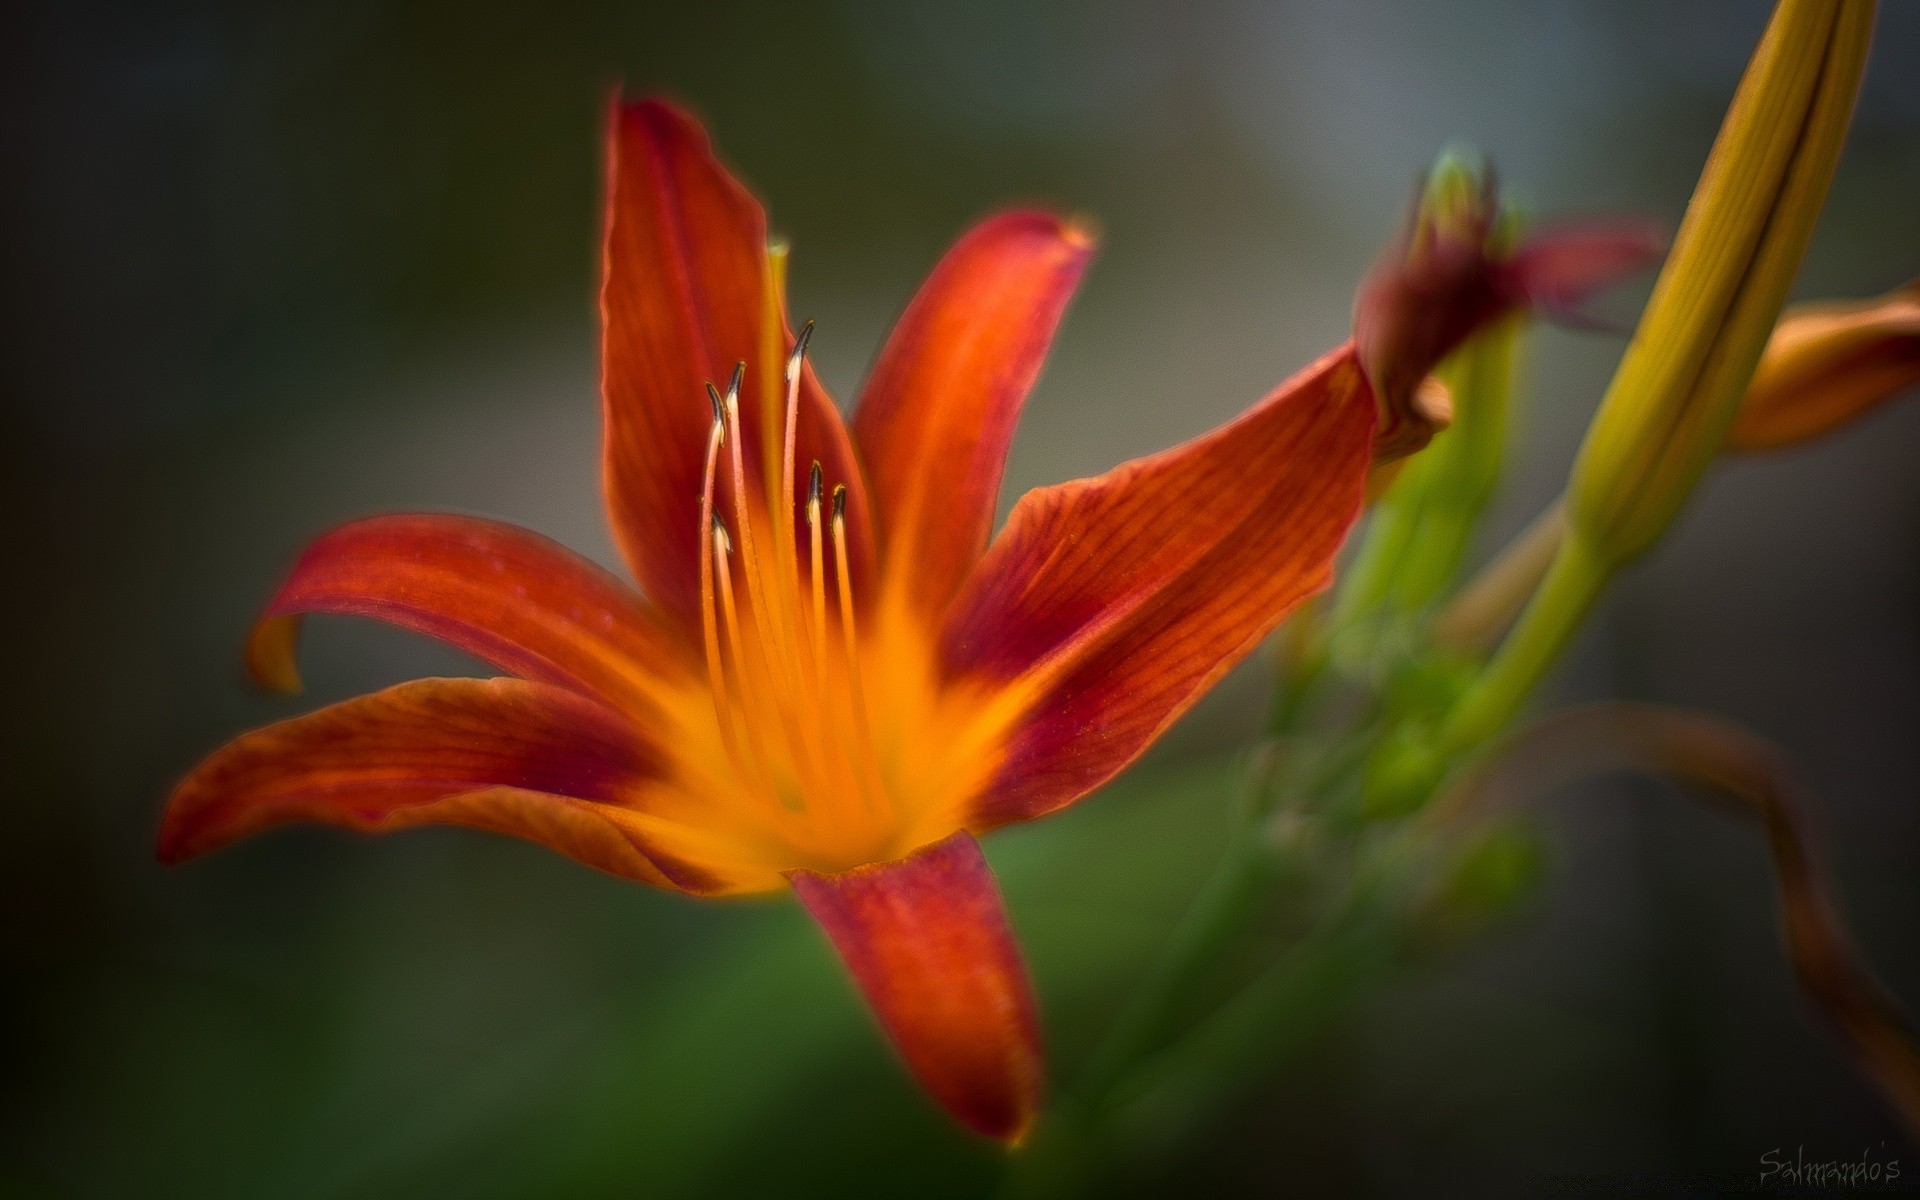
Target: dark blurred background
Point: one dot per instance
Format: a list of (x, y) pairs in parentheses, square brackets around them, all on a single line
[(268, 267)]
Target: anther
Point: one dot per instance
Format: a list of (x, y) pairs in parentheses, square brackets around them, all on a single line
[(733, 385), (719, 417), (722, 540), (799, 352), (839, 501), (813, 486)]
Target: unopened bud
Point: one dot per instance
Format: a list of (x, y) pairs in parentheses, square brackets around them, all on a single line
[(1693, 354), (1675, 394)]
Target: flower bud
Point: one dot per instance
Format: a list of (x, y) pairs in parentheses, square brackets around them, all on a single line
[(1675, 394), (1455, 271), (1693, 354), (1827, 364)]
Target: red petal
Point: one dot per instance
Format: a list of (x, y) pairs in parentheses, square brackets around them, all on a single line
[(504, 594), (1428, 295), (1560, 269), (1119, 600), (684, 298), (927, 940), (938, 412), (506, 755)]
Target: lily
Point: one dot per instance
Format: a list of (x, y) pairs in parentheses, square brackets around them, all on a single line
[(829, 679)]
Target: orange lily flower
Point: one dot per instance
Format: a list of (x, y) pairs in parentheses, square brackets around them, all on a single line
[(828, 678)]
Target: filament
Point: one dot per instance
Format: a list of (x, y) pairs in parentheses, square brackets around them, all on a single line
[(850, 646), (817, 576), (749, 728), (742, 506), (796, 728), (725, 714)]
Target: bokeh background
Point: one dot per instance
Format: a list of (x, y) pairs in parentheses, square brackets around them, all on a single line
[(268, 267)]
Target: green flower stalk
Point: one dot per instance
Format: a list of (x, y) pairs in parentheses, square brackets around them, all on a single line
[(1453, 298), (1694, 352)]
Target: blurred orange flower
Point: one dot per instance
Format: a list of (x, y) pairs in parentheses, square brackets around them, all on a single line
[(828, 679), (1828, 363)]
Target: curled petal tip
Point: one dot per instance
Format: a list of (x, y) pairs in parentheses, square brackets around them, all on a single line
[(1082, 231), (272, 661), (511, 756), (169, 847)]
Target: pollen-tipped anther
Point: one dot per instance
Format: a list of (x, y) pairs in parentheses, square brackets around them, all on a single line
[(799, 352)]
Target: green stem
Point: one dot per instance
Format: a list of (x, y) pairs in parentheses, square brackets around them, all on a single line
[(1276, 1015), (1558, 606), (1294, 694), (1206, 929)]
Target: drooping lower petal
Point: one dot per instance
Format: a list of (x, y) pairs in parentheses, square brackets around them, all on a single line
[(938, 412), (928, 942), (1110, 605), (506, 755), (503, 594)]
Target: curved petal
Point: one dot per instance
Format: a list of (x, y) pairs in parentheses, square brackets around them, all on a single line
[(1110, 605), (927, 939), (501, 593), (1826, 364), (507, 755), (688, 292), (938, 412)]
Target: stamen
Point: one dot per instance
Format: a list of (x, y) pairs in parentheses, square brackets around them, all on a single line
[(794, 362), (737, 729), (788, 542), (799, 351), (850, 646), (749, 727), (742, 506), (819, 579), (776, 654), (711, 534)]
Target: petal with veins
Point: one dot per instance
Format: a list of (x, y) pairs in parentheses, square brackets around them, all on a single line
[(503, 594), (927, 940), (506, 755), (938, 413), (1110, 605)]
